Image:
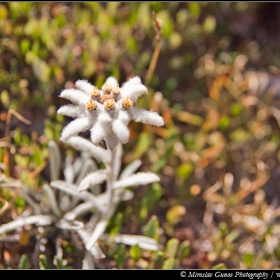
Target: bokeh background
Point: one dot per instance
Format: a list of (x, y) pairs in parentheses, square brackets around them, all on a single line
[(216, 84)]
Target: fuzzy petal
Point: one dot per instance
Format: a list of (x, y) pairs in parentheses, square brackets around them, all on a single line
[(121, 131), (140, 178), (97, 133), (133, 92), (72, 111), (84, 86), (94, 178), (74, 127), (144, 116), (112, 81), (131, 82), (74, 95)]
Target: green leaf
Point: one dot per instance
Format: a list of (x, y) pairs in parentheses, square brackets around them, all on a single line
[(143, 143), (5, 99), (59, 263), (174, 214), (135, 252), (209, 24), (169, 263), (159, 258), (184, 170), (184, 249), (151, 228), (43, 262), (24, 262), (115, 224), (219, 266), (171, 247), (19, 202), (41, 69), (120, 256), (150, 198), (194, 9)]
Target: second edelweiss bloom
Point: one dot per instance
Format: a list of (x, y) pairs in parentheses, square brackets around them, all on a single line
[(106, 112)]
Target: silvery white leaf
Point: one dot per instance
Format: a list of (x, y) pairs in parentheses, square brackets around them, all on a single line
[(84, 145), (79, 210), (10, 238), (143, 242), (131, 168), (87, 262), (140, 178), (94, 178), (88, 166), (70, 225), (41, 220), (65, 202), (55, 160), (95, 250), (72, 190), (53, 203), (68, 171), (97, 232)]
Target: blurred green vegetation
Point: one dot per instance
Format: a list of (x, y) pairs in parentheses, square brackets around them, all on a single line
[(216, 84)]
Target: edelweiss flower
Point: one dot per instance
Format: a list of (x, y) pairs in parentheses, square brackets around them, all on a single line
[(105, 112)]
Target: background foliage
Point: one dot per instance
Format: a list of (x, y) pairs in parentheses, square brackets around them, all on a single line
[(216, 83)]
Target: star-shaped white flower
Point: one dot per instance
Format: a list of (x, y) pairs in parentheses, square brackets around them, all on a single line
[(106, 112)]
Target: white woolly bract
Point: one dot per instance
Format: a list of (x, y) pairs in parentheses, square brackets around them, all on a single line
[(97, 133), (112, 81), (41, 220), (143, 242), (131, 82), (74, 95), (70, 111), (133, 92), (140, 178), (85, 86), (144, 116), (74, 128), (84, 145), (94, 178), (123, 117), (121, 131)]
